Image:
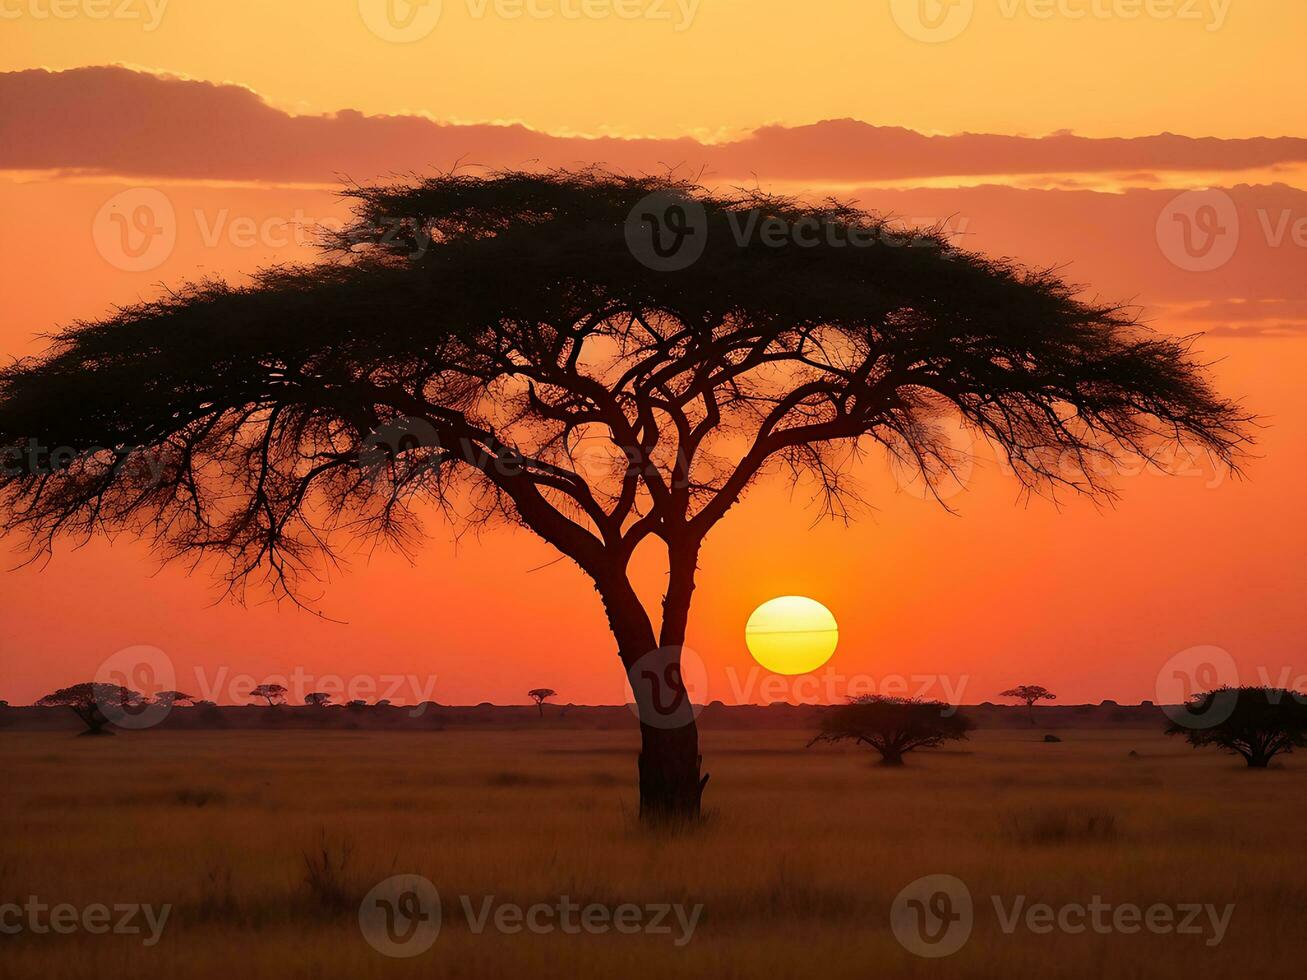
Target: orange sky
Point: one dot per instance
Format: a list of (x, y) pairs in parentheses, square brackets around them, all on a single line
[(1091, 602)]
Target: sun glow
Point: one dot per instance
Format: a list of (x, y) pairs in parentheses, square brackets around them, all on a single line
[(791, 634)]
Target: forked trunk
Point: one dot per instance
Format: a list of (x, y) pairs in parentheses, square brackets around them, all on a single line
[(671, 783)]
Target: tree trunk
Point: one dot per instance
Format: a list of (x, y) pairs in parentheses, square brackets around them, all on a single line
[(93, 719), (1258, 760), (891, 757), (671, 785)]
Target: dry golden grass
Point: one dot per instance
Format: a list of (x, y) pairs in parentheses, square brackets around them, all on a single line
[(797, 869)]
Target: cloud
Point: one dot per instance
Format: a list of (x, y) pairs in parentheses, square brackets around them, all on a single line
[(115, 120)]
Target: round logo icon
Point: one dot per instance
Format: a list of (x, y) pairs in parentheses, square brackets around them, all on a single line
[(933, 916), (1191, 673), (1198, 231), (669, 687), (932, 21), (393, 438), (400, 917), (400, 21), (667, 232), (145, 670), (136, 230)]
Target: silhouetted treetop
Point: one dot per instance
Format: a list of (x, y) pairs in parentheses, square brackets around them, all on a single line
[(1257, 723), (893, 726), (502, 328)]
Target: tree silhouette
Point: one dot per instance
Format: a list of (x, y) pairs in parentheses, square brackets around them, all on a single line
[(88, 702), (539, 695), (497, 348), (272, 693), (317, 699), (1029, 693), (893, 726), (174, 698), (1257, 723)]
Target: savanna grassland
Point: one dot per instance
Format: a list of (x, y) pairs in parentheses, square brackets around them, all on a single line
[(265, 843)]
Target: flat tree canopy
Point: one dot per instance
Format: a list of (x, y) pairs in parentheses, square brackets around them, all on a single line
[(495, 347), (893, 726), (1257, 723)]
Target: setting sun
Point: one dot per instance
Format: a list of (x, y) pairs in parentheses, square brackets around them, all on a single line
[(791, 634)]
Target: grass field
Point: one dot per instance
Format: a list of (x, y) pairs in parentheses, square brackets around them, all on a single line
[(796, 870)]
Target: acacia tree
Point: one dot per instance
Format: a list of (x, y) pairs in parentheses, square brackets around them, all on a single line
[(540, 695), (174, 698), (274, 694), (317, 699), (93, 703), (1257, 723), (893, 726), (497, 348), (1029, 694)]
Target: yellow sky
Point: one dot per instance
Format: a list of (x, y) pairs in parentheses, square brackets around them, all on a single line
[(671, 67)]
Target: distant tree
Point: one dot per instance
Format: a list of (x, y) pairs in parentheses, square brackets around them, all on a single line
[(4, 704), (358, 703), (384, 703), (540, 695), (206, 704), (1257, 723), (317, 699), (174, 698), (272, 693), (88, 701), (279, 419), (893, 726), (1030, 694)]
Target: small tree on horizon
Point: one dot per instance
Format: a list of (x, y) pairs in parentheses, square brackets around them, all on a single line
[(1030, 694), (274, 694), (175, 698), (893, 726), (87, 701), (1257, 723), (517, 343), (540, 695), (317, 699)]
